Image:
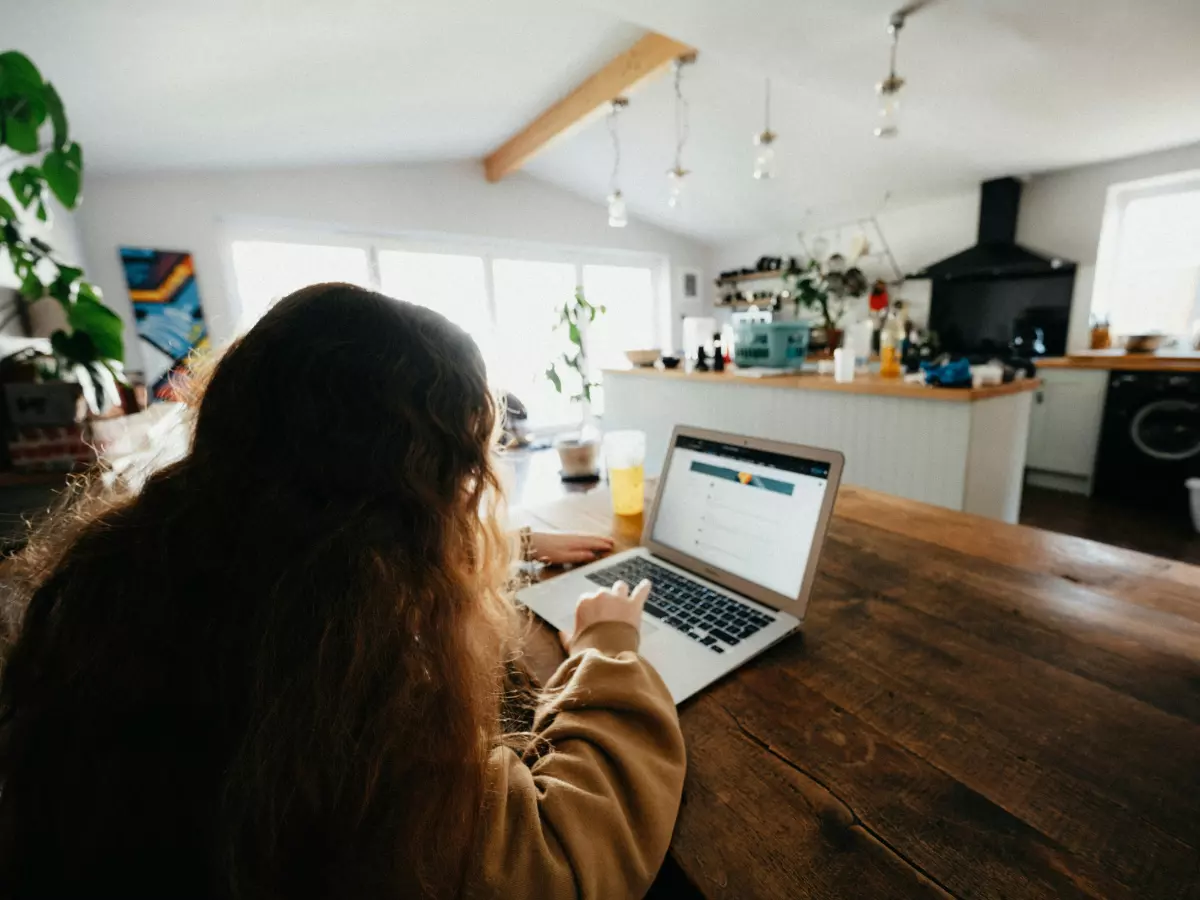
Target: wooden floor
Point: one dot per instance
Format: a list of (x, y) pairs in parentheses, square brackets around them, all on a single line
[(1110, 523)]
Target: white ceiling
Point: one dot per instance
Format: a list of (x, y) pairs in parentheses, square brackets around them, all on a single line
[(186, 84), (993, 88)]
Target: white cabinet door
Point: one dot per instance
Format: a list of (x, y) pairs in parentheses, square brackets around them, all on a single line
[(1064, 428)]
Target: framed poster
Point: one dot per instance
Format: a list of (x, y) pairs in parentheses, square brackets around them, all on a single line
[(167, 309)]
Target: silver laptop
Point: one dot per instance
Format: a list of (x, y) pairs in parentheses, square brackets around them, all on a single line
[(730, 548)]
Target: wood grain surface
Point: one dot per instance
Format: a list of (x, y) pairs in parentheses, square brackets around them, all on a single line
[(862, 384), (972, 709)]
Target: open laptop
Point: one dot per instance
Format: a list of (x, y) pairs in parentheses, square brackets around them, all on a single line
[(730, 548)]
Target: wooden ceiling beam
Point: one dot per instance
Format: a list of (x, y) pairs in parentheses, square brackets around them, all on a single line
[(645, 59)]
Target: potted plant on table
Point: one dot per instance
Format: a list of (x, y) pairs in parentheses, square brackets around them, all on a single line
[(86, 356), (577, 451)]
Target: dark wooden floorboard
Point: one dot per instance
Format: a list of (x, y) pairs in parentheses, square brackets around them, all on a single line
[(1110, 523)]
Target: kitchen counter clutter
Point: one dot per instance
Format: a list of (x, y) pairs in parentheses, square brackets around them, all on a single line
[(961, 448), (862, 384), (1176, 361)]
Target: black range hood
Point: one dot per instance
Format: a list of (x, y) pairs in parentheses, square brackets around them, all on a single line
[(997, 254)]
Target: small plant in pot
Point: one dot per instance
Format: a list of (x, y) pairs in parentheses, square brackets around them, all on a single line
[(576, 451), (89, 351), (827, 291)]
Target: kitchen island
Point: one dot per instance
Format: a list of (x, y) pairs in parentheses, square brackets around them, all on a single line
[(963, 449)]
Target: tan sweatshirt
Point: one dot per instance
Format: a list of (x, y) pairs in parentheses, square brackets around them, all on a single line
[(592, 815)]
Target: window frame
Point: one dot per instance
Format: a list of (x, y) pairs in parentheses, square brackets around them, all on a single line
[(1108, 251)]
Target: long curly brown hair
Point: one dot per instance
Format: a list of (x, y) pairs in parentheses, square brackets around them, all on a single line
[(274, 670)]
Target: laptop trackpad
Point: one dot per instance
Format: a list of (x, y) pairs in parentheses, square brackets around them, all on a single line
[(648, 628)]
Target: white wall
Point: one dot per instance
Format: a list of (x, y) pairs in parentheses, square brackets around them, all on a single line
[(191, 211)]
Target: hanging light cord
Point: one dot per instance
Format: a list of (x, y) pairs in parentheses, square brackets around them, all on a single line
[(895, 30), (767, 109), (681, 118), (616, 142)]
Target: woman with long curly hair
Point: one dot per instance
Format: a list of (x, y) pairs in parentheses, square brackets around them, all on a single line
[(278, 669)]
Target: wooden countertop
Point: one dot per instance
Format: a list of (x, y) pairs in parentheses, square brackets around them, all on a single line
[(972, 709), (1177, 361), (862, 384)]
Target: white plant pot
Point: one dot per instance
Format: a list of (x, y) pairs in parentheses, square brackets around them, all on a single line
[(578, 457)]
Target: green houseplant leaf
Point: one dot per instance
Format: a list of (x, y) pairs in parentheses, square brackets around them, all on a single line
[(58, 115), (63, 170), (102, 327), (26, 184), (21, 129), (18, 75)]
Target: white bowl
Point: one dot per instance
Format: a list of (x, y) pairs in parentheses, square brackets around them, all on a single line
[(643, 358)]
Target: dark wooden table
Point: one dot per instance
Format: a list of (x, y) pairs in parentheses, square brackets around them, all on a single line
[(972, 709)]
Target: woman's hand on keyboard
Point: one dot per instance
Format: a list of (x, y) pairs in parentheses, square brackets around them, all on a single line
[(562, 549), (616, 605)]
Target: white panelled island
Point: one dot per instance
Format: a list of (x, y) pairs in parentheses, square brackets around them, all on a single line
[(961, 448)]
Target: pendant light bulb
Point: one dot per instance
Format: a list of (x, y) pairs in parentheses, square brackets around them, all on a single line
[(675, 185), (764, 143), (618, 216), (677, 173), (764, 156), (887, 125)]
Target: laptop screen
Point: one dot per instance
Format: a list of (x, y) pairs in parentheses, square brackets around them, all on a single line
[(750, 512)]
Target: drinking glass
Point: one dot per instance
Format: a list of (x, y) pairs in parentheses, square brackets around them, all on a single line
[(625, 457)]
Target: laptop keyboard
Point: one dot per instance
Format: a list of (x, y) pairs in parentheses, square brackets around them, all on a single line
[(714, 620)]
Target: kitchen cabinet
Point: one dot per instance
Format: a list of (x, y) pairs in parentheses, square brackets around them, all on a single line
[(1064, 428)]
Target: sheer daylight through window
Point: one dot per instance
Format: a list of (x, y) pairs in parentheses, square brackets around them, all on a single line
[(509, 304)]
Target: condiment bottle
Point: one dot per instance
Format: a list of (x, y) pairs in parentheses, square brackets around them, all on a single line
[(891, 340)]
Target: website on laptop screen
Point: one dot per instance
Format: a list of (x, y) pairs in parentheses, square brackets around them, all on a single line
[(749, 512)]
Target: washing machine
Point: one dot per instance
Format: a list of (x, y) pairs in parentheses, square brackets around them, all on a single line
[(1150, 440)]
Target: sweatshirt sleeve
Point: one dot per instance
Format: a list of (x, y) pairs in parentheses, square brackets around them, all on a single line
[(590, 815)]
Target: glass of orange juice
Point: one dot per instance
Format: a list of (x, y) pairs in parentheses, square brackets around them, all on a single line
[(625, 457)]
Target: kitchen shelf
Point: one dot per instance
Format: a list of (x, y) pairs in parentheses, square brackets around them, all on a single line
[(754, 276)]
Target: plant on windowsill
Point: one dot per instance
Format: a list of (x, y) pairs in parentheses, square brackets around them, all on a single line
[(577, 452), (90, 350)]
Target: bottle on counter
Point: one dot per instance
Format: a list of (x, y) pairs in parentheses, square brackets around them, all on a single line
[(891, 341), (718, 353)]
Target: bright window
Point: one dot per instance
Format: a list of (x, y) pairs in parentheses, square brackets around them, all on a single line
[(269, 270), (627, 293), (528, 296), (507, 302), (449, 284), (1148, 270)]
